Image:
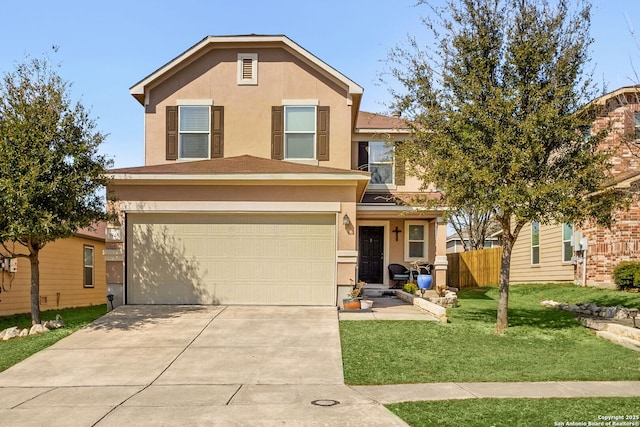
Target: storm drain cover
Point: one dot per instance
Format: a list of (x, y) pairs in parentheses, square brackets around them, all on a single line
[(325, 402)]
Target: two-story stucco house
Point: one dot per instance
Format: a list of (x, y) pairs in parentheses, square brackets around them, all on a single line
[(587, 254), (263, 183)]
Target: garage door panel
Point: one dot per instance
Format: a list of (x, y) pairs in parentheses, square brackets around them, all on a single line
[(231, 259)]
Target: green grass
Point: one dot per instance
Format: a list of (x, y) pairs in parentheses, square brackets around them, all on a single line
[(17, 349), (517, 412), (541, 344)]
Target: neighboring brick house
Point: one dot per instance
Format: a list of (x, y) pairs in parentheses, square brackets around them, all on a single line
[(553, 253), (606, 247)]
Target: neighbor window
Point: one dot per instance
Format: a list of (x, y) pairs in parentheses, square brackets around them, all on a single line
[(193, 129), (636, 123), (381, 162), (300, 132), (567, 242), (415, 240), (88, 267), (535, 243)]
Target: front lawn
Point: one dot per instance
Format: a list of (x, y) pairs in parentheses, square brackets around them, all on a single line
[(520, 412), (17, 349), (542, 344)]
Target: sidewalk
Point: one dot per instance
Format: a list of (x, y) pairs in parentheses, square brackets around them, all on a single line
[(395, 393)]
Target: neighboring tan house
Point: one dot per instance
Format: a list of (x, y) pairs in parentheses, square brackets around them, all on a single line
[(455, 242), (72, 274), (558, 253), (263, 184)]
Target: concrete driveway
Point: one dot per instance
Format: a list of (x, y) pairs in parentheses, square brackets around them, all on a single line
[(191, 365)]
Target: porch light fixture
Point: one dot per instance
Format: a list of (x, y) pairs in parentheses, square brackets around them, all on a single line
[(346, 220)]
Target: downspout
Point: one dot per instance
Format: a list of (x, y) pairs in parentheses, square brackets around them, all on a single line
[(584, 244)]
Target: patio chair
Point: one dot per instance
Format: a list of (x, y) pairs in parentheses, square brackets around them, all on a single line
[(398, 275)]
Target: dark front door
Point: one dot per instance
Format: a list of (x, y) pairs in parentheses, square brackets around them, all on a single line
[(371, 244)]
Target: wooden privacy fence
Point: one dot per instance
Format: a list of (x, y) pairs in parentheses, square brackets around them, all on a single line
[(474, 268)]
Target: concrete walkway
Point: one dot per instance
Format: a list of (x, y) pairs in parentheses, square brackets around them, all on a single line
[(191, 365), (448, 391), (224, 366)]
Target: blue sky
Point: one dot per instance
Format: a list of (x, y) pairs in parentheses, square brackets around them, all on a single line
[(106, 47)]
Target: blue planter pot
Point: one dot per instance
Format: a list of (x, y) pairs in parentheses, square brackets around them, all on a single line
[(424, 281)]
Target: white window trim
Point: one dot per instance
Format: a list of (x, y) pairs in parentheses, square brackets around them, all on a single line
[(391, 186), (190, 159), (315, 133), (564, 241), (254, 69), (300, 102), (535, 246), (407, 258), (92, 266), (194, 102)]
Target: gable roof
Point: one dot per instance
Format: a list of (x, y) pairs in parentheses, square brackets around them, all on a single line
[(222, 42), (625, 90)]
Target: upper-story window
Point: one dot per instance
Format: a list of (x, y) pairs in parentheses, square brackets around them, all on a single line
[(378, 157), (299, 132), (381, 163), (194, 131)]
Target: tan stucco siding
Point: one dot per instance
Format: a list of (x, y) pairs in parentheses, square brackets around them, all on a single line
[(61, 278), (247, 114), (551, 267), (271, 193)]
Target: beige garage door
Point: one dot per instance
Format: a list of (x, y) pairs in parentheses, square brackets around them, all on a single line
[(283, 259)]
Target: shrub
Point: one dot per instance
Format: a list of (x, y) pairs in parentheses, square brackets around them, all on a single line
[(410, 288), (627, 274)]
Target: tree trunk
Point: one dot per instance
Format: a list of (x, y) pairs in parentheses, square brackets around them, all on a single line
[(502, 321), (35, 288)]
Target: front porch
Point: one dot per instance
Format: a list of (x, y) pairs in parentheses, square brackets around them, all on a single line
[(398, 238)]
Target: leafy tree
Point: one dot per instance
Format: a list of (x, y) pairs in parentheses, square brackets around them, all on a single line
[(50, 169), (493, 100)]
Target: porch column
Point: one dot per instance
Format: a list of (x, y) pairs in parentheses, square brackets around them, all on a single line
[(441, 263)]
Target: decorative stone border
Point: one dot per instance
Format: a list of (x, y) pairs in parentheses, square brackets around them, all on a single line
[(435, 310), (15, 332)]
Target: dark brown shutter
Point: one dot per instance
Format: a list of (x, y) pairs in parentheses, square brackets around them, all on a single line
[(400, 173), (363, 156), (322, 137), (217, 131), (277, 133), (172, 132)]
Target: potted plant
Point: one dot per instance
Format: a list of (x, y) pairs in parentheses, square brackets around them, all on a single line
[(424, 277), (352, 302)]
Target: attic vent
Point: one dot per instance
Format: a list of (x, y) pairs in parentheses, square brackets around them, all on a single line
[(247, 68)]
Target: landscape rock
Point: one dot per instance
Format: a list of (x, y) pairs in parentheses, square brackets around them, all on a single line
[(54, 324), (9, 333), (23, 333), (37, 329)]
